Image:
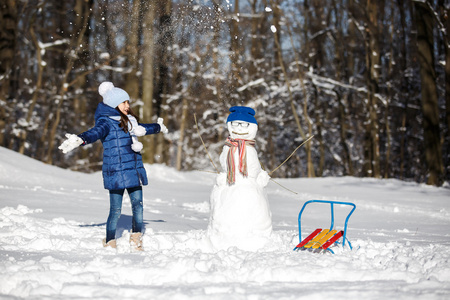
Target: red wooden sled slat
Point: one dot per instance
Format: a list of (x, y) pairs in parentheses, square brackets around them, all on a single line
[(332, 240), (308, 238)]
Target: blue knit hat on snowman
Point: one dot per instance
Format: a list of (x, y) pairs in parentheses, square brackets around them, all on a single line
[(112, 96), (242, 113)]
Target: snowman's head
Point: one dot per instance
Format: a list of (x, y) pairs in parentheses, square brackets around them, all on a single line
[(241, 123)]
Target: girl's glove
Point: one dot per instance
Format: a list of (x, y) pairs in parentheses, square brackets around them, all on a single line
[(163, 127), (71, 143)]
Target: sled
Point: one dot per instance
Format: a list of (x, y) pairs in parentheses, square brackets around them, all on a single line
[(320, 240)]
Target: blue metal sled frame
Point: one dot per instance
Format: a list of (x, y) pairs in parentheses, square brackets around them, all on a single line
[(332, 203)]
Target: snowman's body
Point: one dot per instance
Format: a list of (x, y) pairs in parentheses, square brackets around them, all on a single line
[(240, 213)]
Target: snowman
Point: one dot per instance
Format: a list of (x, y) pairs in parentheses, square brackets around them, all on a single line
[(240, 214)]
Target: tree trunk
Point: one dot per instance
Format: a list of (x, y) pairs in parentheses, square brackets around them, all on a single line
[(256, 47), (446, 17), (184, 111), (318, 137), (163, 81), (371, 140), (276, 24), (8, 37), (80, 102), (301, 77), (390, 95), (147, 81), (342, 115), (215, 54), (38, 85), (404, 91), (348, 164), (132, 49), (76, 45), (447, 80), (235, 47), (110, 35), (433, 154), (352, 42)]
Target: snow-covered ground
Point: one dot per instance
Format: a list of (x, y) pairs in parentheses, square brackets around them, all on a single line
[(52, 222)]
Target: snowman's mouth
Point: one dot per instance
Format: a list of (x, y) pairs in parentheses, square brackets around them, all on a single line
[(245, 133)]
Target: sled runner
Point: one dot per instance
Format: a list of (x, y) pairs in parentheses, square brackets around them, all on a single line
[(321, 239)]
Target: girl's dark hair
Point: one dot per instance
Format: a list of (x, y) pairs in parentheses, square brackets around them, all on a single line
[(124, 119)]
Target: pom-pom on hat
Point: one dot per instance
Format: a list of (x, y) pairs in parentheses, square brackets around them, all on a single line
[(112, 96), (242, 113)]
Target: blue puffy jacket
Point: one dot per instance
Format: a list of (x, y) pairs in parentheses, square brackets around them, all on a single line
[(122, 167)]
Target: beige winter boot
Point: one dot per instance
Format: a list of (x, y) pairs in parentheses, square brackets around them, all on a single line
[(136, 241), (111, 243)]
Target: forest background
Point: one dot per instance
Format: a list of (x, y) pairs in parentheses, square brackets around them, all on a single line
[(370, 79)]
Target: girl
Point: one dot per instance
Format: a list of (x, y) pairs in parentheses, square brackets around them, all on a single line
[(122, 163)]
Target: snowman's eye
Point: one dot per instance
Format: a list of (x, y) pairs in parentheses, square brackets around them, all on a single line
[(242, 124)]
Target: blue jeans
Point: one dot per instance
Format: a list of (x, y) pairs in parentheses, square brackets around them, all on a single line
[(115, 209)]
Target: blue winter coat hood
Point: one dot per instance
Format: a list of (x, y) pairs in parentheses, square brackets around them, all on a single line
[(104, 110)]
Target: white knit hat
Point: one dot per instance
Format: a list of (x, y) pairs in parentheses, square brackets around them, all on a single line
[(112, 96)]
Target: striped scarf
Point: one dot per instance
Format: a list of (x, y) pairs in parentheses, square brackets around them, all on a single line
[(240, 145)]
